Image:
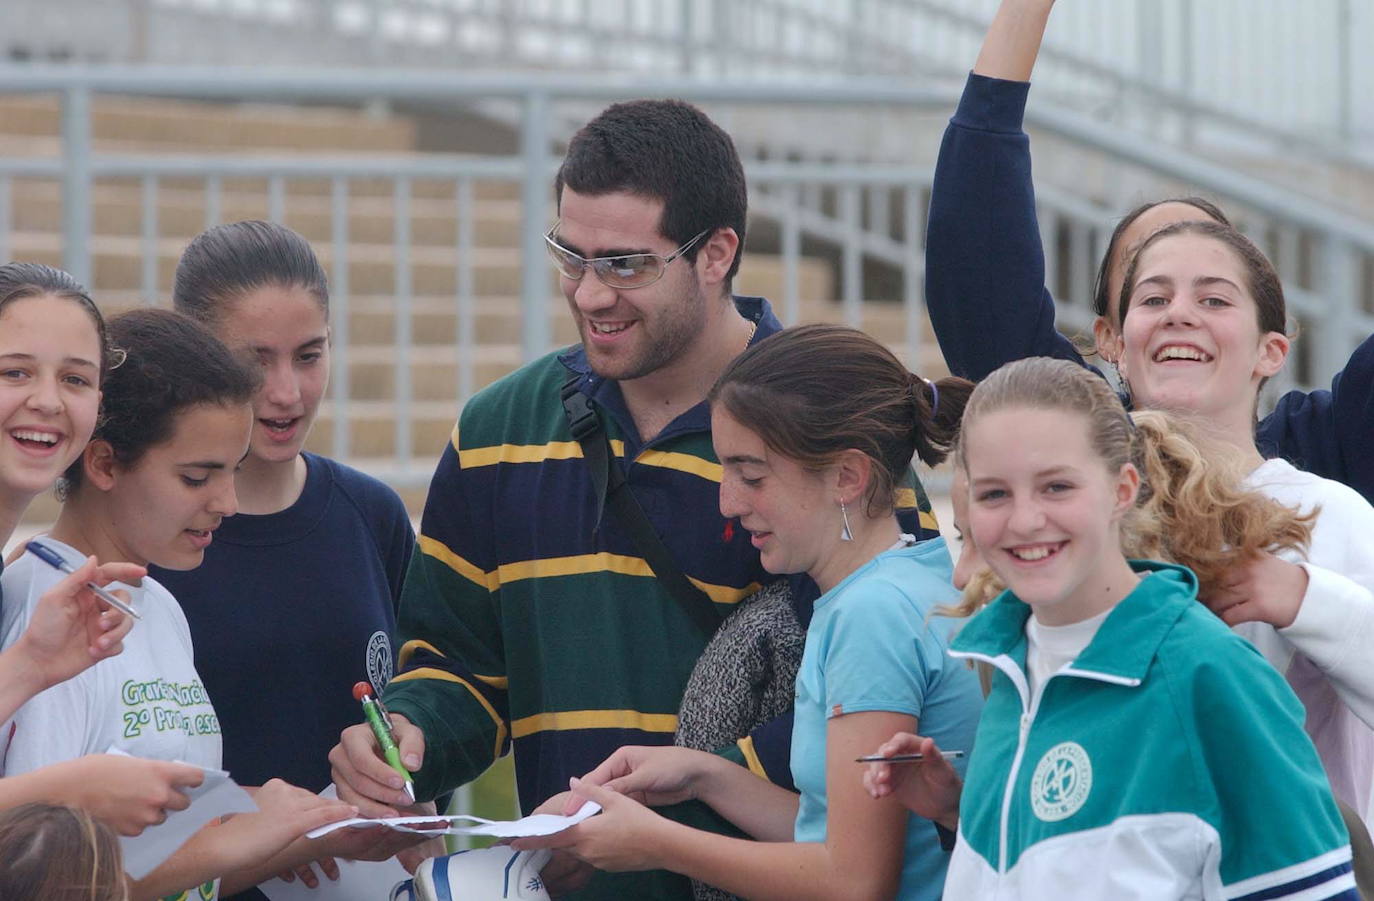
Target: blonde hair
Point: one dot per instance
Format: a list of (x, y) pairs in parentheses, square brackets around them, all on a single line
[(58, 854), (1193, 508)]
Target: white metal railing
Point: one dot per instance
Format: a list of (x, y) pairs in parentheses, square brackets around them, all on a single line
[(1282, 72), (868, 215)]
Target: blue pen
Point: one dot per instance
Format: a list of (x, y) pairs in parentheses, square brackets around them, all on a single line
[(56, 560)]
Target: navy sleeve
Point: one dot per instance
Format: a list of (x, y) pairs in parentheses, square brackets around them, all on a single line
[(985, 266), (1329, 433)]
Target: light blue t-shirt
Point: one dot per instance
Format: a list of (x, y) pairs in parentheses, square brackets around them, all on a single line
[(872, 645)]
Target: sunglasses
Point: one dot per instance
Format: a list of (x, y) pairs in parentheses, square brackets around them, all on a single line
[(633, 270)]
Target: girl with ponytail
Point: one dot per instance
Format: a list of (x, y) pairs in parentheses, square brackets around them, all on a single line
[(815, 428)]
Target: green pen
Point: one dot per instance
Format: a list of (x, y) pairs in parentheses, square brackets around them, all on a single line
[(382, 730)]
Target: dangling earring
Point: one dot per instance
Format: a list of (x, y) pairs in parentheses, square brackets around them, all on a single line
[(845, 533)]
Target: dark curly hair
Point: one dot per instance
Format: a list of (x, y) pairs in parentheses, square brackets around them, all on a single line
[(172, 362), (21, 280)]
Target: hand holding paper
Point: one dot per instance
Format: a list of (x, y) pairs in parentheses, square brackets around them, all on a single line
[(535, 824)]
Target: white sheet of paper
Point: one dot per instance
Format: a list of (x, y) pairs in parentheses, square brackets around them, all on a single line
[(359, 880), (216, 796), (535, 824)]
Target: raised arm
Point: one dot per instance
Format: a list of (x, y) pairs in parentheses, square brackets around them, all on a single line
[(985, 265)]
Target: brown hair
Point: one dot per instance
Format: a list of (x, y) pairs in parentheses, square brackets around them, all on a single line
[(1100, 289), (1193, 508), (1262, 281), (813, 391), (58, 854), (22, 280)]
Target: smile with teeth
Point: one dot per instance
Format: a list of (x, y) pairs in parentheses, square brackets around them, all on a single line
[(279, 425), (1181, 352), (1034, 552), (608, 328), (46, 438)]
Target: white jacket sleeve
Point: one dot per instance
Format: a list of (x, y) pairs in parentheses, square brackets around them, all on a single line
[(1335, 624), (1335, 630)]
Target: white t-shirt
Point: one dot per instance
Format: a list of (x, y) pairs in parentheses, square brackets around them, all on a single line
[(1327, 654), (147, 701), (1050, 648)]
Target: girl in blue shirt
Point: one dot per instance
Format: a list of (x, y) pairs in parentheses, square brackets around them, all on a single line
[(814, 427)]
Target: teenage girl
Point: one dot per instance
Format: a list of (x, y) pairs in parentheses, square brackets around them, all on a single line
[(152, 485), (985, 265), (809, 470), (1132, 746), (52, 358), (1215, 346), (300, 587)]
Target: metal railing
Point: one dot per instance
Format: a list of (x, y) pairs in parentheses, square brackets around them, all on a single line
[(863, 217), (1287, 73)]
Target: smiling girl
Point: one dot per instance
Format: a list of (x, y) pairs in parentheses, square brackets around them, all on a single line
[(152, 486), (987, 285), (53, 355), (1202, 325), (1132, 747), (810, 463)]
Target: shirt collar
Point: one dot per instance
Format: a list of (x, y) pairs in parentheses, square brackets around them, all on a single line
[(1125, 644)]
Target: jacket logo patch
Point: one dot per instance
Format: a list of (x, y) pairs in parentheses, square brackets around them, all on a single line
[(379, 660), (1061, 782)]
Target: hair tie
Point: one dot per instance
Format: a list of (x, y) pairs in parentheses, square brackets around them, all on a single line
[(934, 396)]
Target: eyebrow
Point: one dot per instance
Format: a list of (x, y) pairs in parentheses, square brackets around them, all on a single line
[(213, 464), (1201, 281), (1040, 474), (744, 458), (313, 342), (70, 361), (599, 254)]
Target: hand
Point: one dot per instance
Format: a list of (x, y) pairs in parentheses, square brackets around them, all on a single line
[(929, 788), (655, 776), (625, 836), (363, 776), (376, 842), (71, 628), (306, 872), (412, 857), (128, 794), (565, 874), (285, 814), (1265, 589)]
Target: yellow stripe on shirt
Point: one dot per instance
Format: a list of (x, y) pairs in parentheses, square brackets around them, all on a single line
[(568, 720), (604, 561), (443, 676), (444, 554)]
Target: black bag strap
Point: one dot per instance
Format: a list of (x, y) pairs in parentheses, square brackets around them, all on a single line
[(613, 491)]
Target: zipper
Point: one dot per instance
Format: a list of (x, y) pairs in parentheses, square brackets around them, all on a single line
[(1029, 707)]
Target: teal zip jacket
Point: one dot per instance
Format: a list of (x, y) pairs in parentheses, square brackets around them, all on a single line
[(1168, 761)]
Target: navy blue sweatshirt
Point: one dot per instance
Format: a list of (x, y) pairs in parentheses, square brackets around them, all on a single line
[(985, 287)]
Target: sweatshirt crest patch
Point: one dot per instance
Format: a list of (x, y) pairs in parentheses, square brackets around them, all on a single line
[(379, 660), (1061, 782)]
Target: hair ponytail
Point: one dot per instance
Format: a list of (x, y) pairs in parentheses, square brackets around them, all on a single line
[(939, 408), (813, 391), (1195, 510)]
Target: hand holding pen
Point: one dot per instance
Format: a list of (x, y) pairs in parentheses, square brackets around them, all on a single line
[(380, 723), (71, 628), (929, 787)]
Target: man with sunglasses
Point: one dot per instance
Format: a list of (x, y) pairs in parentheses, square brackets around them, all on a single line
[(530, 619)]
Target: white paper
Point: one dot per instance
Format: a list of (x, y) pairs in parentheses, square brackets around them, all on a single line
[(215, 797), (535, 824), (359, 880)]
